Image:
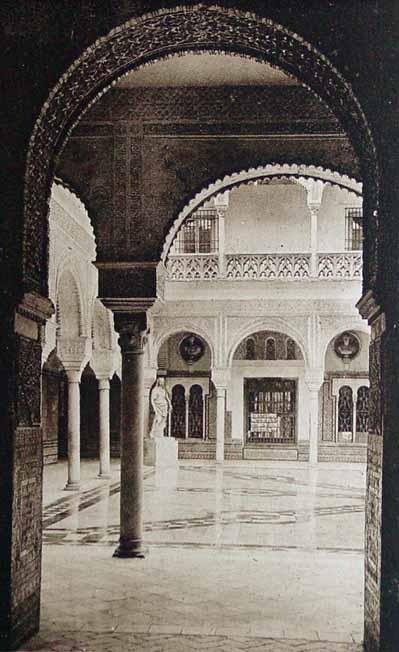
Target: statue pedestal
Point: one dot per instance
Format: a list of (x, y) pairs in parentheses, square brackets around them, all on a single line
[(160, 452)]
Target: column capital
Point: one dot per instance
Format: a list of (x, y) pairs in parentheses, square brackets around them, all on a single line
[(132, 329), (221, 377), (314, 379), (73, 375), (103, 384)]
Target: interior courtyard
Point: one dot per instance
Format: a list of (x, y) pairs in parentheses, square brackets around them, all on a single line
[(204, 376)]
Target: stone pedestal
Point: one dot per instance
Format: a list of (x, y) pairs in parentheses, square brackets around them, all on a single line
[(160, 452)]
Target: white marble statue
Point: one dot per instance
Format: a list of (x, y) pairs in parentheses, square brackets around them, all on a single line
[(161, 405)]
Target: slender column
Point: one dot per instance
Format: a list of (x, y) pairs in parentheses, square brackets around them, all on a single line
[(314, 210), (132, 341), (313, 422), (354, 390), (314, 189), (187, 405), (105, 455), (221, 237), (73, 430), (220, 423)]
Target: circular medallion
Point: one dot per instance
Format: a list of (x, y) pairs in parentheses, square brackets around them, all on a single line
[(191, 348), (346, 346)]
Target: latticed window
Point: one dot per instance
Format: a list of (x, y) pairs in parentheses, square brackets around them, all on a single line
[(250, 352), (353, 229), (196, 412), (270, 349), (198, 234), (291, 353), (362, 409), (345, 409), (178, 416)]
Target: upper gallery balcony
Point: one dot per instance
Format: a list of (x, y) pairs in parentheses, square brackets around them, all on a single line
[(344, 266), (279, 231)]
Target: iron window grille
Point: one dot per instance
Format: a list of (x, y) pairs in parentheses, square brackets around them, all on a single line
[(199, 234), (353, 229)]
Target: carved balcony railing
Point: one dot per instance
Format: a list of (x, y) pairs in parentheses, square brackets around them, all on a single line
[(268, 266), (265, 267), (195, 267), (346, 265)]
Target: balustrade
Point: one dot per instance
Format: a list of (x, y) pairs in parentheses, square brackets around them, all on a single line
[(269, 267)]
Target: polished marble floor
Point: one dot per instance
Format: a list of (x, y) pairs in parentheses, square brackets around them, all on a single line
[(245, 556)]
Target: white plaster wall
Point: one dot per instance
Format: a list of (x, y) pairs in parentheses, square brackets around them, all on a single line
[(331, 218), (268, 219), (275, 218)]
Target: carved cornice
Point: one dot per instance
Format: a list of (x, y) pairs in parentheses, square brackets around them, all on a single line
[(368, 307), (36, 307), (130, 306), (165, 33)]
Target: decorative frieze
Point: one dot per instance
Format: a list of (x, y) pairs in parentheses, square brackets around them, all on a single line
[(346, 266), (193, 268), (265, 267), (268, 266)]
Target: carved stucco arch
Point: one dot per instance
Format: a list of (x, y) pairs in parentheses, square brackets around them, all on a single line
[(272, 170), (155, 36), (66, 270), (185, 327), (276, 324)]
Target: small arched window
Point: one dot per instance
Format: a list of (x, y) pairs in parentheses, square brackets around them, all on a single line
[(291, 352), (345, 409), (250, 352), (196, 412), (178, 415), (362, 409), (270, 349)]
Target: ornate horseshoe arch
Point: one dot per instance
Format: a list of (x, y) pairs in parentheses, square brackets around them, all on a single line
[(153, 37), (249, 176)]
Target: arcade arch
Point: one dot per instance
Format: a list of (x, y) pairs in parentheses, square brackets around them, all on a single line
[(73, 94)]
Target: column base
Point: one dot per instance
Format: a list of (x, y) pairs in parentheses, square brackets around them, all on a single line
[(104, 476), (130, 550), (72, 486)]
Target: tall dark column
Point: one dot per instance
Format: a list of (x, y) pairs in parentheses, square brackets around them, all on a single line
[(132, 340)]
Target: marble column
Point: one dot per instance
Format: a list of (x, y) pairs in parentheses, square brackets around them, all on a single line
[(132, 342), (313, 422), (105, 454), (73, 482), (220, 423)]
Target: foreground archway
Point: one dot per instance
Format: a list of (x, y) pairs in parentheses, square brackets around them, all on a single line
[(197, 27)]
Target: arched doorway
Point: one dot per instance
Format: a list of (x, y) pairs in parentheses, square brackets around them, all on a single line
[(46, 144)]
